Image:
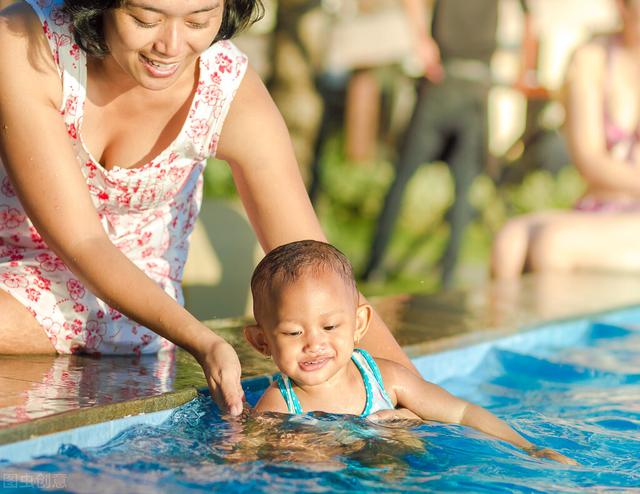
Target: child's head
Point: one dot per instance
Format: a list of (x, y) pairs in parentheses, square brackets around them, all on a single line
[(305, 303)]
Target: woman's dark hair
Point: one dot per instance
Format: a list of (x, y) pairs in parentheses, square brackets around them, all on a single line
[(87, 17)]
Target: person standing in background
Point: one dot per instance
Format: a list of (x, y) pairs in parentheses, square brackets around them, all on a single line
[(449, 120)]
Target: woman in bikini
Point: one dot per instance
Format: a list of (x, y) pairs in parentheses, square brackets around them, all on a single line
[(108, 114), (602, 232)]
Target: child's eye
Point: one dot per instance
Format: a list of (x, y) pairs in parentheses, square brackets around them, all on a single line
[(293, 333), (330, 327)]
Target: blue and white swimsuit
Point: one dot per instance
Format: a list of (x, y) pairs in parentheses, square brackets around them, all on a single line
[(377, 397)]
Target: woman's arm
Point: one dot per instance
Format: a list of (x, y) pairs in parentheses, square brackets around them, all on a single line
[(41, 163), (256, 144), (585, 132)]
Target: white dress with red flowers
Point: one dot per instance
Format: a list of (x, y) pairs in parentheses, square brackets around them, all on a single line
[(148, 212)]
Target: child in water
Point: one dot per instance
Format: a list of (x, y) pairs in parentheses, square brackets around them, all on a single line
[(309, 321)]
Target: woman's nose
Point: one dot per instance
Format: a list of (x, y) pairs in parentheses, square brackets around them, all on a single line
[(170, 39)]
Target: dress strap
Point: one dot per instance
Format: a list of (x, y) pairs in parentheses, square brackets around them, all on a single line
[(69, 58), (222, 68), (289, 395), (58, 31)]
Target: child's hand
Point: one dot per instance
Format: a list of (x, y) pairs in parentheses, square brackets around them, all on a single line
[(550, 454), (397, 414)]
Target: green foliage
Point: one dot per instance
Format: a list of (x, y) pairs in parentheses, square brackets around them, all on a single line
[(541, 190), (352, 195), (218, 181)]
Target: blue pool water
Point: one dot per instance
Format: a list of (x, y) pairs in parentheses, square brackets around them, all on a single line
[(582, 400)]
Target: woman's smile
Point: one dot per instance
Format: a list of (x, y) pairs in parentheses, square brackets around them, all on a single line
[(159, 69)]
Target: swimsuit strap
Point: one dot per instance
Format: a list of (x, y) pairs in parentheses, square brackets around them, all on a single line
[(377, 398), (367, 384), (289, 395)]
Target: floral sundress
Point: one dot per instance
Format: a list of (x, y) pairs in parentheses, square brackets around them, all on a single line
[(148, 212)]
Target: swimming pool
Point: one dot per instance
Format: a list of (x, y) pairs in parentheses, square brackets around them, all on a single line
[(573, 386)]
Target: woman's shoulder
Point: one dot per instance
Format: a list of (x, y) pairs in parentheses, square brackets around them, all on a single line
[(20, 21), (225, 60), (390, 371), (24, 44), (35, 19)]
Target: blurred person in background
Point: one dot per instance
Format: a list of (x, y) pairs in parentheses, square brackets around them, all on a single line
[(366, 41), (450, 115), (602, 100), (295, 47)]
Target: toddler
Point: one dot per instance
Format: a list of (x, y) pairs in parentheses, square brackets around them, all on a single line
[(309, 320)]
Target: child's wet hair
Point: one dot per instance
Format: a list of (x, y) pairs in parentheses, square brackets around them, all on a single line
[(287, 263)]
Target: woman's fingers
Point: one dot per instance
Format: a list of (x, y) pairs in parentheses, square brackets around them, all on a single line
[(222, 370), (227, 393), (232, 393)]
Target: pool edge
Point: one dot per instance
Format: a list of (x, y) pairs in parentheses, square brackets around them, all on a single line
[(64, 421)]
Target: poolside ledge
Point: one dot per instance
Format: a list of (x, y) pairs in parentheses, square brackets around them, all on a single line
[(45, 394)]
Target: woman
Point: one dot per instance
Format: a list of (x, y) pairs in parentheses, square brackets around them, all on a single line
[(109, 111), (603, 131)]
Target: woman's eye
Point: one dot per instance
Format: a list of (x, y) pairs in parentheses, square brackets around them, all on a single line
[(293, 333), (141, 23), (198, 25)]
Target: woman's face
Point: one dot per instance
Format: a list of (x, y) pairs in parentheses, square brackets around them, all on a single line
[(156, 41)]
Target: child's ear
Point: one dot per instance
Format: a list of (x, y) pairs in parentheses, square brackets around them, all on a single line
[(254, 334), (364, 312)]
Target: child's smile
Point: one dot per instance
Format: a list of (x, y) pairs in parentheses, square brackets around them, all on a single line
[(315, 364)]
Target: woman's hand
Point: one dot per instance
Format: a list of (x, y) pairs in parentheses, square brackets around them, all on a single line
[(428, 54), (221, 368)]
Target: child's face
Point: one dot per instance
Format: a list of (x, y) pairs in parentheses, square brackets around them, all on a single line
[(310, 327)]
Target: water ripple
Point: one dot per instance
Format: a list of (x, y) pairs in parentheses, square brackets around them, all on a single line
[(582, 401)]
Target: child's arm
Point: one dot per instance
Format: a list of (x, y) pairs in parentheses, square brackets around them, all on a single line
[(271, 401), (431, 402)]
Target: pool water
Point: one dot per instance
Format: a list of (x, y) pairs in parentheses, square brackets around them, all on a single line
[(582, 400)]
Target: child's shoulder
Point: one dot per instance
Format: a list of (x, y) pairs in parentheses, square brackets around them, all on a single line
[(390, 371), (272, 400), (389, 366)]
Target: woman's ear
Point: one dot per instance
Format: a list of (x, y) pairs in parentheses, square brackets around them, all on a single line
[(364, 313), (254, 334)]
